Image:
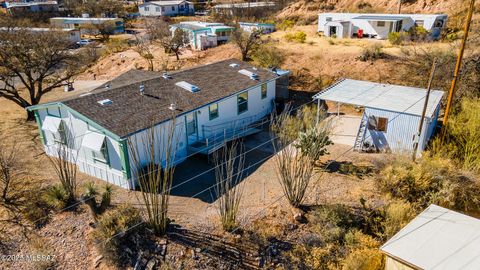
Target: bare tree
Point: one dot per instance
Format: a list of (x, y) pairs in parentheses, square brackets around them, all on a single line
[(294, 169), (229, 166), (154, 157), (144, 49), (33, 64), (96, 8), (8, 168), (246, 42), (159, 32), (64, 160)]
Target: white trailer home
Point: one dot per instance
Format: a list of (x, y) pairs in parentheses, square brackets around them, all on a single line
[(348, 25), (438, 238), (166, 8), (391, 116), (203, 35), (211, 104)]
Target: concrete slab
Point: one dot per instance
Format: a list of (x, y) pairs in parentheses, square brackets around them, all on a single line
[(345, 129)]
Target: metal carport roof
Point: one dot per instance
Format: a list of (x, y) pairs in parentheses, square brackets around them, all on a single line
[(397, 98)]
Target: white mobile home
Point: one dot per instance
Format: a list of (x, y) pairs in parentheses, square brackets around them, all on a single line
[(391, 116), (81, 22), (203, 35), (438, 238), (265, 28), (348, 25), (211, 104), (166, 8)]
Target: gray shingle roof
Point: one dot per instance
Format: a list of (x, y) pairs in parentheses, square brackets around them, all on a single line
[(130, 112)]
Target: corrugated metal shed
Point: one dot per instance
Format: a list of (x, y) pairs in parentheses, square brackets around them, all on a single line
[(438, 238), (396, 98)]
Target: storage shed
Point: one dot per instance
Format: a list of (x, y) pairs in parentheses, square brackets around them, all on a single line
[(391, 116), (438, 238)]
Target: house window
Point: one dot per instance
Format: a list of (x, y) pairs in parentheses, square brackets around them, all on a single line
[(163, 9), (381, 24), (147, 9), (191, 125), (328, 19), (173, 8), (213, 111), (157, 9), (264, 90), (242, 102), (377, 123), (54, 112), (61, 136), (102, 155), (419, 22)]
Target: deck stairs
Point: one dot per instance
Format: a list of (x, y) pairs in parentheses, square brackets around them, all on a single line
[(362, 130), (216, 136)]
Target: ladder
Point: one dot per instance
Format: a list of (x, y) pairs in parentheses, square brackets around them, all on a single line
[(358, 146)]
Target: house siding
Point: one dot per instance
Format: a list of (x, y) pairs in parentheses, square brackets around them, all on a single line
[(400, 131), (112, 173)]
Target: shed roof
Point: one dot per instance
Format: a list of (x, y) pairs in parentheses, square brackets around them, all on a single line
[(381, 17), (129, 111), (438, 238), (397, 98)]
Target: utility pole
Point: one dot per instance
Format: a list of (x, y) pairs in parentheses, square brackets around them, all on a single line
[(425, 105), (459, 64), (399, 6)]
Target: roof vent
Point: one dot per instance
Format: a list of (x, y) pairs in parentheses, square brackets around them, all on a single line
[(187, 86), (142, 89), (107, 86), (172, 107), (104, 102), (250, 74), (166, 76), (234, 65)]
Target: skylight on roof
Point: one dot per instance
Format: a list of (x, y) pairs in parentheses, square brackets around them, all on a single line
[(104, 102), (251, 75), (187, 86)]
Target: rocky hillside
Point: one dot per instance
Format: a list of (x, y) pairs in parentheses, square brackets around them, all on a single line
[(305, 11)]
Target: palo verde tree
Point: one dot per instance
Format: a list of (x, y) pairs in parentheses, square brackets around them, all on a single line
[(34, 63), (154, 155), (246, 42)]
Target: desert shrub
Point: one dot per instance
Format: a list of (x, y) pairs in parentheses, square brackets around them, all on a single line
[(299, 121), (285, 24), (298, 37), (372, 52), (90, 195), (268, 56), (418, 33), (322, 258), (115, 229), (396, 215), (363, 259), (395, 38), (461, 142), (431, 180), (37, 209), (56, 197), (116, 45)]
